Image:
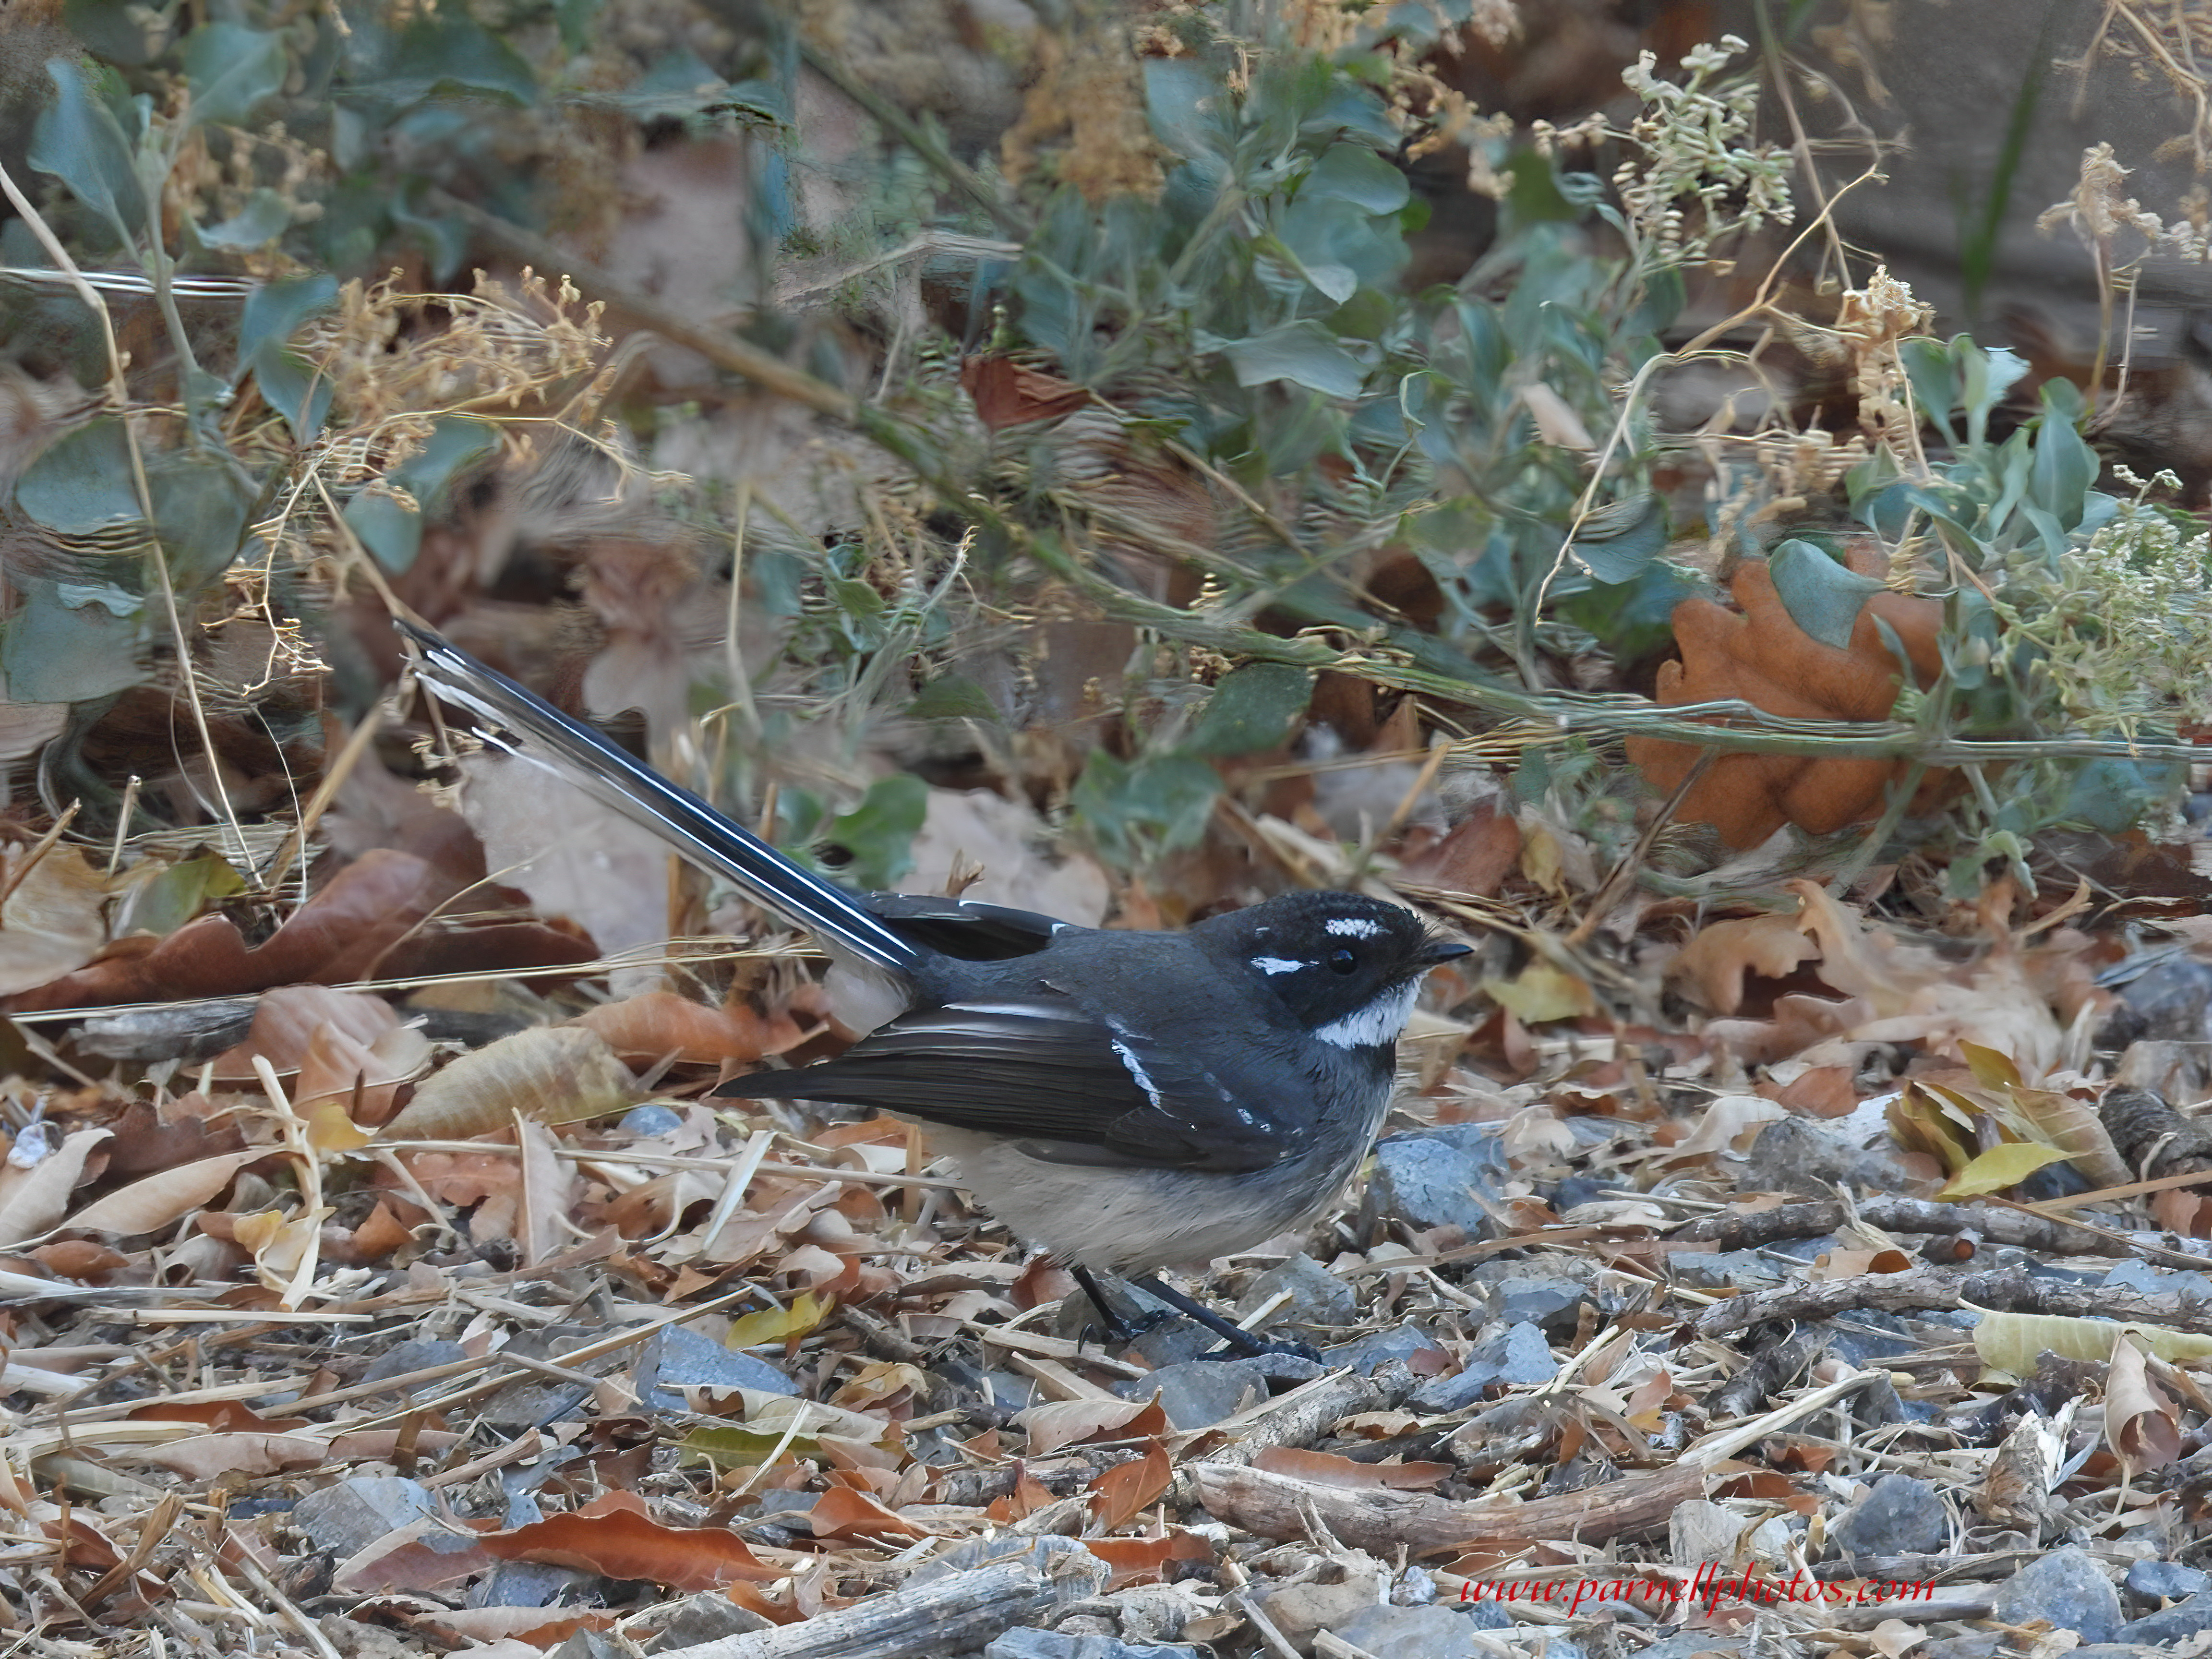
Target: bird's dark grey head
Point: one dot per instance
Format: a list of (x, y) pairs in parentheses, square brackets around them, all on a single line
[(1346, 967)]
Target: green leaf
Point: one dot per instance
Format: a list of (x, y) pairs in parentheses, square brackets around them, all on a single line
[(879, 833), (106, 595), (2065, 467), (574, 18), (82, 485), (1615, 542), (53, 652), (446, 53), (231, 69), (455, 442), (1303, 353), (177, 894), (274, 314), (390, 528), (735, 1447), (265, 216), (287, 381), (953, 698), (1821, 596), (80, 139), (1355, 173), (132, 36), (200, 504), (1252, 707), (1137, 809)]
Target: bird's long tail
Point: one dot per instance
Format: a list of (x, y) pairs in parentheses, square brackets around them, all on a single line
[(508, 717)]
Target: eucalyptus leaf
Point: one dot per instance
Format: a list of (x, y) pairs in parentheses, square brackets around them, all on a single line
[(232, 71), (51, 651), (1821, 596), (200, 504), (455, 443), (1253, 707), (2065, 466), (1615, 542), (1355, 173), (390, 528), (1303, 353), (952, 697), (80, 140), (265, 216), (82, 485)]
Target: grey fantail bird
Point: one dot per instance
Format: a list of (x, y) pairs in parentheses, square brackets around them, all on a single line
[(1124, 1100)]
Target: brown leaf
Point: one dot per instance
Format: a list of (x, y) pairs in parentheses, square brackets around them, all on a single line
[(1711, 967), (2142, 1426), (844, 1512), (205, 1456), (1330, 1470), (614, 1537), (160, 1200), (549, 1074), (1059, 1423), (53, 922), (1481, 850), (656, 1024), (1760, 654), (1123, 1492), (1178, 1555), (1008, 394), (33, 1200)]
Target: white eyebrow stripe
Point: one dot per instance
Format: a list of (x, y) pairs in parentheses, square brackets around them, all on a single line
[(1377, 1025), (1272, 965), (1354, 927)]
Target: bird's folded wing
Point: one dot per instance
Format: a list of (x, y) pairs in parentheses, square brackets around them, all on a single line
[(1068, 1086)]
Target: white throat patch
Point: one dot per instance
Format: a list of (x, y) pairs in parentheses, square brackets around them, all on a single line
[(1375, 1025)]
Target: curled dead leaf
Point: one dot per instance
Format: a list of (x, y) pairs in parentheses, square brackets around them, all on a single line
[(549, 1074)]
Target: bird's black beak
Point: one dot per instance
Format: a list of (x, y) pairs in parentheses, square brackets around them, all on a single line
[(1438, 950)]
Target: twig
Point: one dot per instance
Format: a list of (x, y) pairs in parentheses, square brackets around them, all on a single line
[(29, 861)]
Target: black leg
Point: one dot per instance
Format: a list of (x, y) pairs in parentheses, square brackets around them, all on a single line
[(1239, 1339), (1116, 1328)]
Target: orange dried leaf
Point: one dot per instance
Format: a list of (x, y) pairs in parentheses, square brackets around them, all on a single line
[(1123, 1492), (1328, 1469), (614, 1537)]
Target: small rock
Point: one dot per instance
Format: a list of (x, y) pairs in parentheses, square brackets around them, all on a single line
[(676, 1358), (1431, 1632), (527, 1584), (1796, 1155), (345, 1519), (706, 1618), (1028, 1642), (2166, 1581), (416, 1354), (1518, 1354), (1724, 1270), (653, 1119), (1692, 1645), (2066, 1589), (1378, 1347), (2141, 1277), (1317, 1296), (1900, 1516), (1301, 1609), (1553, 1306), (1200, 1393), (1698, 1532), (1431, 1179), (2170, 1624)]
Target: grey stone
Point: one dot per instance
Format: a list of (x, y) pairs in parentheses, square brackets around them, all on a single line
[(1518, 1354), (1795, 1155), (1318, 1297), (1200, 1393), (1698, 1532), (2065, 1589), (650, 1120), (1723, 1270), (706, 1618), (677, 1357), (1378, 1347), (2141, 1276), (1431, 1632), (1431, 1179), (1028, 1643), (416, 1354), (1553, 1306), (2170, 1624), (525, 1584), (346, 1518), (1064, 1558), (1900, 1516), (2167, 1580), (1690, 1645)]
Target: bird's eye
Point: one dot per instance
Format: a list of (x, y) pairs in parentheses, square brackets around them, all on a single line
[(1341, 960)]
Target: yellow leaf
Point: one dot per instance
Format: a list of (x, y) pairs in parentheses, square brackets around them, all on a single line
[(803, 1315), (1999, 1167), (329, 1128), (1991, 1069), (1540, 991)]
